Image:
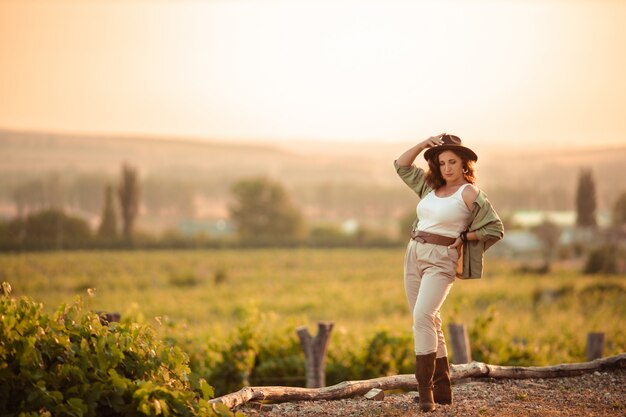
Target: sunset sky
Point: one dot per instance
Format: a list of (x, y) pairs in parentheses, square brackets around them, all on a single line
[(500, 71)]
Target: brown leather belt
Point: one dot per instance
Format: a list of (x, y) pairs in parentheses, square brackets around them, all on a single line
[(425, 237)]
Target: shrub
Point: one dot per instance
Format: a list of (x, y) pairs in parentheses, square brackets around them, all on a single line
[(329, 236), (47, 229), (602, 293), (542, 268), (340, 365), (259, 351), (602, 260), (252, 358), (264, 213), (499, 348), (280, 360), (545, 296), (233, 371), (186, 279), (220, 276), (387, 354), (71, 364)]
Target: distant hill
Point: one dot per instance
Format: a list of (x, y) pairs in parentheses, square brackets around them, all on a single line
[(329, 180), (550, 177), (326, 185), (27, 153)]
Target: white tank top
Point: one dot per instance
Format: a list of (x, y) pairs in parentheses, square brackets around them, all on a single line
[(445, 216)]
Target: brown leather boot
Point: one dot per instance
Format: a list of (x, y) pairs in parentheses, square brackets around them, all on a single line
[(424, 371), (442, 389)]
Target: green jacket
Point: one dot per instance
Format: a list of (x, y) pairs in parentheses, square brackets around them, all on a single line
[(484, 222)]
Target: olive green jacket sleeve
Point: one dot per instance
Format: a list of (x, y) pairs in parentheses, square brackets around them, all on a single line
[(489, 229), (414, 177)]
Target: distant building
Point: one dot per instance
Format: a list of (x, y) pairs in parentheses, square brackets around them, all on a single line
[(213, 228), (564, 219), (519, 244)]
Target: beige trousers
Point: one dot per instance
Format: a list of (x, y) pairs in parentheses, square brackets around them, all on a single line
[(429, 272)]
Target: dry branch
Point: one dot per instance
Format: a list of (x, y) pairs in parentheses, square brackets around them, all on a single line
[(349, 389)]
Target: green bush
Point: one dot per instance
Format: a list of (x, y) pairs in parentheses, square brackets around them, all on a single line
[(255, 356), (252, 359), (185, 279), (340, 365), (597, 294), (546, 296), (602, 260), (69, 364), (220, 276), (47, 229), (329, 236), (381, 355), (500, 348), (386, 354), (279, 360), (232, 371)]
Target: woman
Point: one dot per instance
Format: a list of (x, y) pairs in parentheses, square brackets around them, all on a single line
[(454, 220)]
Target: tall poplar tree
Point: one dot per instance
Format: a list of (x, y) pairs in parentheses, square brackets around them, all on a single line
[(586, 200), (619, 210), (129, 194), (108, 222)]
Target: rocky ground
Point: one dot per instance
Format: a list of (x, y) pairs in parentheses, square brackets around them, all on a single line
[(595, 394)]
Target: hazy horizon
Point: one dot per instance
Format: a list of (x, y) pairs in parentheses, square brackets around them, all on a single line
[(490, 147)]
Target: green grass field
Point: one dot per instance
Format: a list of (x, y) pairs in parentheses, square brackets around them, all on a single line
[(512, 317)]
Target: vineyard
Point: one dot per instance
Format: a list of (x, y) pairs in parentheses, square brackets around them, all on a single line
[(234, 313)]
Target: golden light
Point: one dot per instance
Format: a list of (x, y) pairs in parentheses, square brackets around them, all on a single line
[(347, 70)]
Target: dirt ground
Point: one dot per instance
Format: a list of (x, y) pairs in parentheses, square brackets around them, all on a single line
[(595, 394)]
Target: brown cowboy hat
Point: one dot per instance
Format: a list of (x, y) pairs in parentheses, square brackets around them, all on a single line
[(452, 143)]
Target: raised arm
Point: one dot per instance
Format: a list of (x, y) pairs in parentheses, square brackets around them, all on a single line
[(407, 158)]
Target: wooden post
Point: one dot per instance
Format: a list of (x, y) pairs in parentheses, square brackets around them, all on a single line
[(315, 349), (461, 352), (595, 346)]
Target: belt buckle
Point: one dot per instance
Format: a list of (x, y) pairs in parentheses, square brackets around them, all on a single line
[(417, 238)]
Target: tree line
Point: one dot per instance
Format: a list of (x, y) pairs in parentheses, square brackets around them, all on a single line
[(262, 211), (51, 227)]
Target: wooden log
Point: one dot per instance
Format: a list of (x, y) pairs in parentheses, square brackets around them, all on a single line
[(459, 340), (595, 346), (349, 389), (315, 349), (481, 370), (344, 389)]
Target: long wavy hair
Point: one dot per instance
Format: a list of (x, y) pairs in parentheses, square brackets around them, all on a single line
[(434, 178)]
